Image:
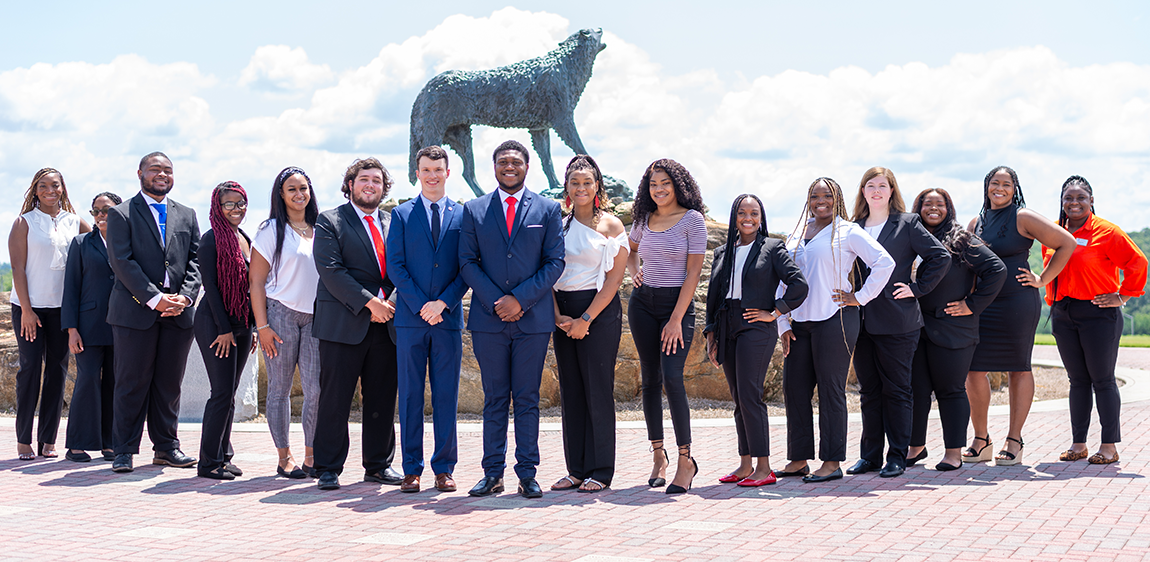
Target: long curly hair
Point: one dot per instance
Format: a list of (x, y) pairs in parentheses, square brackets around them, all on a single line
[(585, 163), (1073, 181), (952, 235), (279, 212), (894, 205), (231, 268), (33, 202), (686, 190)]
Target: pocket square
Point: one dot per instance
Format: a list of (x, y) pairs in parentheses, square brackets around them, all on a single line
[(534, 226)]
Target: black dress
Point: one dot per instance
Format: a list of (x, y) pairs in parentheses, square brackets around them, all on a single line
[(1006, 327)]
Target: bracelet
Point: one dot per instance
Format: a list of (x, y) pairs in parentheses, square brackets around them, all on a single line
[(262, 327)]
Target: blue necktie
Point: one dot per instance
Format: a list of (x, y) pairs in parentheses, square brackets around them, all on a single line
[(163, 210), (435, 225)]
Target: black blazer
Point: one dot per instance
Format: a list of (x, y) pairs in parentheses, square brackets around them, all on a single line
[(348, 275), (225, 323), (768, 263), (982, 270), (905, 238), (139, 259), (88, 281)]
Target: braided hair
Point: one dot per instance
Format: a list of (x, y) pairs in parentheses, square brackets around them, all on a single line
[(686, 190), (733, 234), (839, 210), (953, 236), (279, 212), (231, 268), (584, 163), (1073, 181), (33, 202)]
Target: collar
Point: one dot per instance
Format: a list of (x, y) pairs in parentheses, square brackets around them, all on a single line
[(360, 212), (519, 195), (148, 199), (441, 201)]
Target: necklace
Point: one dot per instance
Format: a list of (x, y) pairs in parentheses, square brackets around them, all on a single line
[(302, 231)]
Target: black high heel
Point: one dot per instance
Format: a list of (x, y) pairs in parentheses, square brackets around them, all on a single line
[(659, 482), (677, 489)]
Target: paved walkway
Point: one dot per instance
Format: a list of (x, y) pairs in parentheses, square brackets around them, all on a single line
[(1040, 510)]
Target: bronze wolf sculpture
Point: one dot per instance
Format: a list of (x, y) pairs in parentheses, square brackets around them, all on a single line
[(536, 94)]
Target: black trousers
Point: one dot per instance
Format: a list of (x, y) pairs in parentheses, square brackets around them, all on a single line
[(649, 310), (1087, 338), (149, 371), (90, 412), (942, 371), (883, 365), (747, 354), (224, 377), (820, 356), (50, 352), (373, 364), (587, 386)]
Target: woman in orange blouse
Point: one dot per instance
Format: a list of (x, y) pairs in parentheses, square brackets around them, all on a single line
[(1086, 300)]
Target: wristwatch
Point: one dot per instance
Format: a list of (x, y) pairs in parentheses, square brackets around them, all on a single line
[(586, 317)]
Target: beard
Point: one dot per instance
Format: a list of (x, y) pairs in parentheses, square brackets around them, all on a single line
[(365, 202), (150, 188), (513, 187)]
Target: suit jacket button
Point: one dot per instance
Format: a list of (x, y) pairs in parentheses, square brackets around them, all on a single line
[(436, 265), (509, 256), (506, 282), (165, 263)]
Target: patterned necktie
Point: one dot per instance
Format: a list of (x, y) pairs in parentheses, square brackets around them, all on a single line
[(377, 240), (163, 210), (435, 225), (510, 214)]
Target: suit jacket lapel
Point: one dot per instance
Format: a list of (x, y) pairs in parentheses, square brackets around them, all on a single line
[(351, 219), (448, 212), (144, 210), (887, 228), (420, 217), (495, 209), (752, 255), (98, 243)]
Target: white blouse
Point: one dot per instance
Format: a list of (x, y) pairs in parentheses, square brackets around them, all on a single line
[(589, 256), (827, 269), (294, 282), (736, 290), (48, 240)]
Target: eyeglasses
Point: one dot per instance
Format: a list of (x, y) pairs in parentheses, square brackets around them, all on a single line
[(233, 205), (103, 211)]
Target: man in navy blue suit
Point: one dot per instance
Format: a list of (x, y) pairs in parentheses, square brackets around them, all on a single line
[(511, 254), (423, 262)]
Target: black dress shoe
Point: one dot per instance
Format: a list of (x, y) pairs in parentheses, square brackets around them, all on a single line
[(814, 478), (82, 456), (386, 476), (235, 470), (328, 481), (123, 463), (862, 467), (911, 461), (944, 467), (891, 470), (529, 488), (218, 473), (108, 455), (175, 458), (487, 486), (800, 472)]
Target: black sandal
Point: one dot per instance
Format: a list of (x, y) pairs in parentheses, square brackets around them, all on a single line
[(1006, 458)]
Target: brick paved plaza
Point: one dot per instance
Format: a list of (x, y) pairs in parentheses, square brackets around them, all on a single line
[(1041, 510)]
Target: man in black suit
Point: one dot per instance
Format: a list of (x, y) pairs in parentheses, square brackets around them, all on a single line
[(152, 245), (352, 316)]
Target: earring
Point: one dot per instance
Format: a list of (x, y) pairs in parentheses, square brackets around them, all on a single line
[(568, 200), (596, 201)]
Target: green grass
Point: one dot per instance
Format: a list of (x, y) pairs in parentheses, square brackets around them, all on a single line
[(1140, 340)]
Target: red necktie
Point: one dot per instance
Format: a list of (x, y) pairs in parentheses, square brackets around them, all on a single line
[(510, 214), (380, 252)]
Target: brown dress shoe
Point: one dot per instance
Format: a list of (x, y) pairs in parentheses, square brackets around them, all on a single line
[(410, 484), (444, 483)]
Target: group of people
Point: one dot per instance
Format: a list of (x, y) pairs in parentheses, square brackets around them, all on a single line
[(354, 296)]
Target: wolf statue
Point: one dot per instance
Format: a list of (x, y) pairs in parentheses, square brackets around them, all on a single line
[(537, 94)]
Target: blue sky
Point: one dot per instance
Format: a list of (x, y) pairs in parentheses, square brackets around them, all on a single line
[(759, 97)]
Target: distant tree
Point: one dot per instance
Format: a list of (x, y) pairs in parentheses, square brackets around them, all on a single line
[(5, 277)]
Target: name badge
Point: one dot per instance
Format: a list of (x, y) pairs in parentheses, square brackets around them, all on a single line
[(1082, 242)]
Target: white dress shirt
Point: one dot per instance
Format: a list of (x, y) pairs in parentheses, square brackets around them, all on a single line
[(371, 242), (152, 302), (827, 269), (736, 289)]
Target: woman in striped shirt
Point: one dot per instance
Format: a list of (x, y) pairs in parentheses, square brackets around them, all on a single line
[(669, 238)]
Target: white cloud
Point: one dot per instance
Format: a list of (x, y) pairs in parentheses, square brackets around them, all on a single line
[(280, 70), (943, 125)]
